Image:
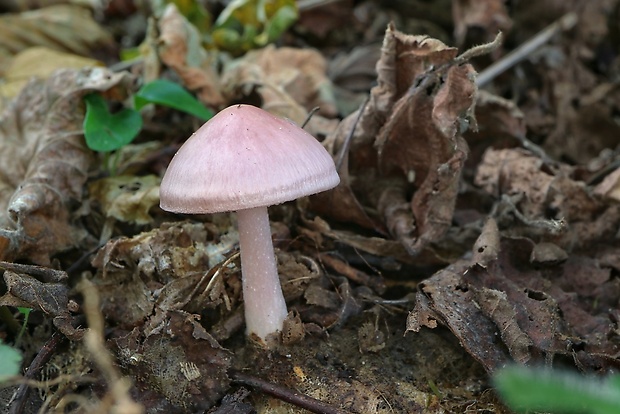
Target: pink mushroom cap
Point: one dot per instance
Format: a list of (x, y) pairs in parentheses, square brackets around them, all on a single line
[(245, 157)]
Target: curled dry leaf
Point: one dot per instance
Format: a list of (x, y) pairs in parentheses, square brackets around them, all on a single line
[(43, 290), (180, 48), (421, 139), (486, 247), (408, 135), (45, 162)]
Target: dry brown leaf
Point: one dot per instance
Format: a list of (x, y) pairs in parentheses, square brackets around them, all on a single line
[(538, 313), (548, 254), (516, 172), (421, 139), (45, 162), (48, 296), (408, 136), (180, 48), (446, 298), (500, 124), (288, 90), (546, 192), (323, 20), (497, 118), (300, 73), (497, 307), (62, 27), (579, 125), (486, 248)]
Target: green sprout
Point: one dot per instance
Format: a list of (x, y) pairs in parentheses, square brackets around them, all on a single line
[(248, 24), (166, 93), (535, 390), (108, 132), (26, 313)]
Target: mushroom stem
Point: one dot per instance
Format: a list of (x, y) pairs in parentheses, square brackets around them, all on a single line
[(265, 308)]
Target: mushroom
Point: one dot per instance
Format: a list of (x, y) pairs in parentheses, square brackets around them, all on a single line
[(245, 159)]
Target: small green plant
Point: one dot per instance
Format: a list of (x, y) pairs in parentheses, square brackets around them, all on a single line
[(248, 24), (10, 362), (107, 132), (528, 390), (166, 93), (26, 313)]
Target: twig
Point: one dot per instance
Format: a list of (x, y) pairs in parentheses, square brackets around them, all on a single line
[(309, 117), (376, 283), (480, 50), (536, 150), (566, 22), (602, 173), (347, 142), (285, 394), (42, 358), (551, 226)]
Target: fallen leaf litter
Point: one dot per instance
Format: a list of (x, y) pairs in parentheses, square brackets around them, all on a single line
[(505, 235)]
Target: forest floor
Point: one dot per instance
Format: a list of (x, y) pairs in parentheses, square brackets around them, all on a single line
[(475, 225)]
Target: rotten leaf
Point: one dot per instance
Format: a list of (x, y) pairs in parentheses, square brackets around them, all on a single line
[(406, 139), (40, 289), (45, 163)]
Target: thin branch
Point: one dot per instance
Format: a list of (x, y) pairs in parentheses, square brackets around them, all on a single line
[(285, 394), (566, 22), (480, 50), (309, 117), (344, 149)]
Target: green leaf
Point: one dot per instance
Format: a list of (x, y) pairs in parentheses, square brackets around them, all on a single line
[(10, 361), (105, 131), (256, 23), (558, 392), (173, 95), (282, 20)]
